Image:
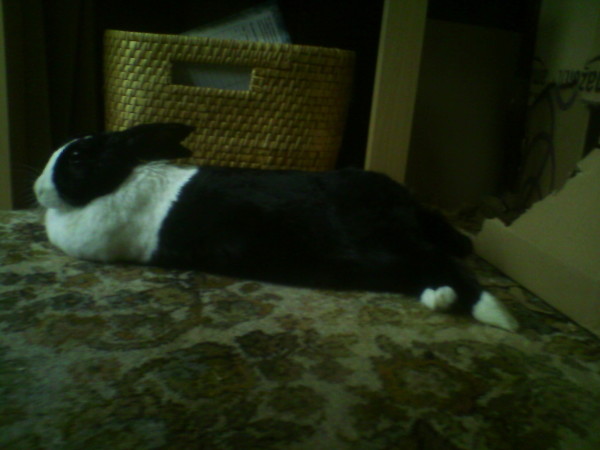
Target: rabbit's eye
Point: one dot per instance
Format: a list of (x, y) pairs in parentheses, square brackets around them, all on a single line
[(77, 159)]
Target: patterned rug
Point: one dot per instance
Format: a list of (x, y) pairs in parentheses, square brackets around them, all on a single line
[(127, 357)]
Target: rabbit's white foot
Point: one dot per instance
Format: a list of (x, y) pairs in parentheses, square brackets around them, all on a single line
[(439, 299), (488, 309)]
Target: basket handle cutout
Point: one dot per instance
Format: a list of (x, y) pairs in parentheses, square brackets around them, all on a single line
[(217, 76)]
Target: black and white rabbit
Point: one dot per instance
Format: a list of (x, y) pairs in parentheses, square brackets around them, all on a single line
[(112, 197)]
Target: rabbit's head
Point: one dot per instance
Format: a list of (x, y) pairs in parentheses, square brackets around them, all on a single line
[(93, 166)]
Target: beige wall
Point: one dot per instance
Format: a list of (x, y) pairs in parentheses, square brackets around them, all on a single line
[(5, 188), (461, 112), (568, 37)]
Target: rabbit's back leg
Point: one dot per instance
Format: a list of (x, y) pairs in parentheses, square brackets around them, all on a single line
[(444, 284)]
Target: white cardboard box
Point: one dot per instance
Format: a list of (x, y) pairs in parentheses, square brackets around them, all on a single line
[(553, 249)]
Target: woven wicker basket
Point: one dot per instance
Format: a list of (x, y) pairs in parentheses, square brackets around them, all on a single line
[(291, 117)]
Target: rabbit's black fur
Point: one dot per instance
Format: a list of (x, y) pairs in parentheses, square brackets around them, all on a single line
[(348, 229)]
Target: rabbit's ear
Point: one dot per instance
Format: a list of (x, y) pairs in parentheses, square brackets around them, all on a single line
[(152, 141)]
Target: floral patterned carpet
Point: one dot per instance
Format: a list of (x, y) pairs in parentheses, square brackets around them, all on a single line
[(127, 357)]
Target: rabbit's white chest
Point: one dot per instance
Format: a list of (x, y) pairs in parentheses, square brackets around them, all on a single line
[(96, 235), (123, 226)]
